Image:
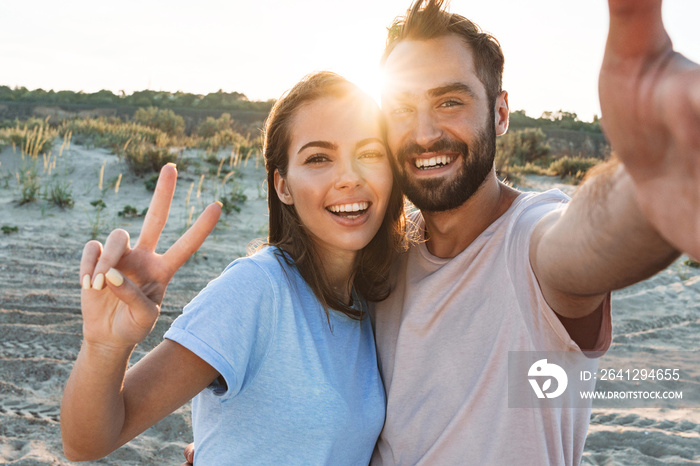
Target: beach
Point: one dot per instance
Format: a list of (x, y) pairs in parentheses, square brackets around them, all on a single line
[(40, 322)]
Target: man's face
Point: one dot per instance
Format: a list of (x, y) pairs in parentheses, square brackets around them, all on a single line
[(441, 127)]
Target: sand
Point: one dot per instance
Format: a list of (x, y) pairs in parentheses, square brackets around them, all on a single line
[(40, 323)]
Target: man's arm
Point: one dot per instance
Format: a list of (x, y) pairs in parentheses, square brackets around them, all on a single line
[(629, 222), (650, 100), (600, 242)]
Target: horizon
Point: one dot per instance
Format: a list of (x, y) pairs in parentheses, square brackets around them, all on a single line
[(261, 50)]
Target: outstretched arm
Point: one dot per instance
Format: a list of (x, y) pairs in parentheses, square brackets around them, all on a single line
[(122, 289), (630, 222), (650, 100), (599, 243)]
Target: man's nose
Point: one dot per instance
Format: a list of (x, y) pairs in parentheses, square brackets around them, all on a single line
[(348, 175), (427, 130)]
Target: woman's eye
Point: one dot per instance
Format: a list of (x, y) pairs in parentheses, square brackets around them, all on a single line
[(316, 158), (373, 154)]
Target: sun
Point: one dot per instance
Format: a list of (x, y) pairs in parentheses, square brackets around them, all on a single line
[(370, 81)]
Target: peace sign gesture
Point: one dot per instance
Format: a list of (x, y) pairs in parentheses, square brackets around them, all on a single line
[(123, 287), (650, 100)]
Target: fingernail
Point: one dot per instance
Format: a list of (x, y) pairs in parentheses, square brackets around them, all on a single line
[(172, 164), (221, 204), (114, 277), (86, 281), (98, 282)]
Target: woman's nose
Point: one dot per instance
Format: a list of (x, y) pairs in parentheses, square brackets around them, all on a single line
[(348, 175)]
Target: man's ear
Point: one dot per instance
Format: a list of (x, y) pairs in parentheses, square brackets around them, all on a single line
[(282, 189), (502, 113)]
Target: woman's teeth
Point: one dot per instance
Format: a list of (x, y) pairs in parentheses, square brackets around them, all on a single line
[(433, 162), (353, 210)]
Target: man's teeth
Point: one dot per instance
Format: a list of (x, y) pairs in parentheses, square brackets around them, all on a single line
[(433, 161), (355, 207)]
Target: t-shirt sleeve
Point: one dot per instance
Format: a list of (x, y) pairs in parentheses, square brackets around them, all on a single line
[(545, 328), (230, 324)]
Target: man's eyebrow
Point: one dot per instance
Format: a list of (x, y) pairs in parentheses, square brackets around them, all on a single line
[(366, 141), (321, 144), (452, 87)]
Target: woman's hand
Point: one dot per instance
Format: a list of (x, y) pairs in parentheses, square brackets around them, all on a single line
[(123, 287), (650, 100)]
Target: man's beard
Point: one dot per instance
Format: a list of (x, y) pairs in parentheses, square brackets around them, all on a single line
[(440, 194)]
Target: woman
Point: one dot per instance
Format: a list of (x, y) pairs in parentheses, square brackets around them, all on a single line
[(279, 345)]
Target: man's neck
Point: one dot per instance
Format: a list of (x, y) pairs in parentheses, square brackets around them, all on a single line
[(451, 232)]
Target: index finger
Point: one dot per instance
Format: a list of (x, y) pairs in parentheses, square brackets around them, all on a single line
[(193, 238), (159, 209)]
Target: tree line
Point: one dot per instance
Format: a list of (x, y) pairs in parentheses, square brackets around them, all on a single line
[(219, 100)]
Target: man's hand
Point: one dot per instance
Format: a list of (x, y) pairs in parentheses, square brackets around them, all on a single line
[(189, 455), (650, 101)]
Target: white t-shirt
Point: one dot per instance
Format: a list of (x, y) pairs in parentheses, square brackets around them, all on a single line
[(443, 340)]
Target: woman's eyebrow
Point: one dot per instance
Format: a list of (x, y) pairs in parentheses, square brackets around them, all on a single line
[(320, 144), (452, 87), (366, 141)]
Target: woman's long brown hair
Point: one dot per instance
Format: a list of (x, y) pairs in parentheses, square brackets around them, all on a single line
[(286, 230)]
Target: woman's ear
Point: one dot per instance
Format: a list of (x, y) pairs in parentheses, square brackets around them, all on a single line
[(282, 189)]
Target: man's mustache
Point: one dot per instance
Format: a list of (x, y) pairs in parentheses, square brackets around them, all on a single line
[(444, 144)]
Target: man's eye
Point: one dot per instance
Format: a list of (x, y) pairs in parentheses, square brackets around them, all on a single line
[(450, 103), (402, 110)]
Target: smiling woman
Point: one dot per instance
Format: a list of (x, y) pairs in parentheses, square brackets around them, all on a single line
[(325, 150), (279, 349)]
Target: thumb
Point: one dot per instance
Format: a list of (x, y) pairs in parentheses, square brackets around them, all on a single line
[(636, 29), (144, 310)]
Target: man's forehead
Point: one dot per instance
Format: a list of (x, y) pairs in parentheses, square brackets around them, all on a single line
[(419, 66)]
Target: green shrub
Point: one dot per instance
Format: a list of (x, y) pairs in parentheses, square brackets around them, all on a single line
[(130, 211), (573, 167), (162, 119), (211, 126), (233, 200), (144, 158), (9, 229), (112, 133), (60, 194), (518, 148), (98, 204), (691, 263), (151, 182), (30, 185), (223, 138), (33, 138)]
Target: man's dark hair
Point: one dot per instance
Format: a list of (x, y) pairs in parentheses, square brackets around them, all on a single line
[(427, 19)]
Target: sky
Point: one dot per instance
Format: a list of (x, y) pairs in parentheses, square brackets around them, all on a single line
[(553, 48)]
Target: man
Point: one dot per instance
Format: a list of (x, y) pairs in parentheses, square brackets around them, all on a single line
[(503, 272)]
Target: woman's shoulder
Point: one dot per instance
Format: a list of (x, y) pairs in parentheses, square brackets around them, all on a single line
[(268, 262)]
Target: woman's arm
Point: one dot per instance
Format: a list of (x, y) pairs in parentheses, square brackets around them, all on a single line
[(103, 409), (122, 288)]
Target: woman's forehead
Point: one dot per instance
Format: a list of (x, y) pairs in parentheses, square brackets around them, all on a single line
[(336, 119)]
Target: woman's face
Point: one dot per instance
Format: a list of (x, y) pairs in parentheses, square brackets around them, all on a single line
[(339, 178)]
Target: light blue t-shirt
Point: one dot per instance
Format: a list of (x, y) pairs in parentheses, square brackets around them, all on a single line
[(297, 391)]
